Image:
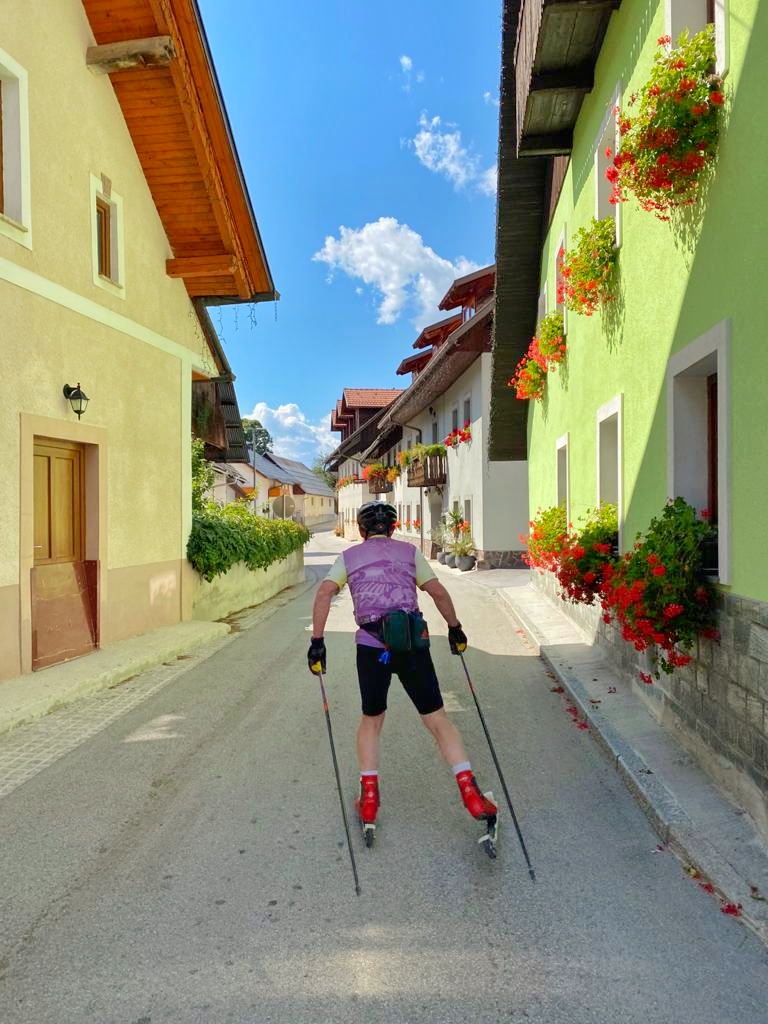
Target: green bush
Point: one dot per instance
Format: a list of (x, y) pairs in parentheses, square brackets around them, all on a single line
[(222, 537)]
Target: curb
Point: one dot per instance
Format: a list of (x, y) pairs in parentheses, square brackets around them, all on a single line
[(667, 818), (32, 696)]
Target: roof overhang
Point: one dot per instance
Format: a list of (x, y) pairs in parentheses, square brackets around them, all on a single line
[(434, 334), (557, 46), (450, 360), (166, 85), (412, 364), (464, 287)]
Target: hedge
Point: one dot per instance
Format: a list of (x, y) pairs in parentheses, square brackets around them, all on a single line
[(222, 537)]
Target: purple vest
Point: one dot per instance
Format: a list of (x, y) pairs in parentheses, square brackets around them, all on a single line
[(381, 574)]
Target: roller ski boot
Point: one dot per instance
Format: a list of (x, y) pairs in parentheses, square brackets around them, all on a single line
[(481, 806), (367, 806)]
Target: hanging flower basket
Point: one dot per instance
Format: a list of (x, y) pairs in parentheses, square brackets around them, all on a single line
[(588, 268), (670, 138)]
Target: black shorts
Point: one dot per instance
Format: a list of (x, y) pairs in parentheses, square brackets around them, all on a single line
[(414, 670)]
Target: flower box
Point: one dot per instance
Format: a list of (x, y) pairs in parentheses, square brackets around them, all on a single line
[(428, 471), (379, 485)]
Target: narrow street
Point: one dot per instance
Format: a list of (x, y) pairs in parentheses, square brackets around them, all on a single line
[(187, 862)]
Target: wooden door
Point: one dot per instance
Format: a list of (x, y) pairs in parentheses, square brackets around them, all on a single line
[(63, 581)]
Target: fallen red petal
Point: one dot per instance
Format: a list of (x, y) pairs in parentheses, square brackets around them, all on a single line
[(732, 909), (556, 689), (582, 725), (707, 887)]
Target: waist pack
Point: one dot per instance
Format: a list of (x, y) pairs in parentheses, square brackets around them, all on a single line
[(401, 631)]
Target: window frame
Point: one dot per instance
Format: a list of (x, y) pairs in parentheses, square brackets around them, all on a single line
[(103, 196), (711, 348), (563, 443), (607, 136), (694, 15), (15, 209), (614, 407), (557, 276)]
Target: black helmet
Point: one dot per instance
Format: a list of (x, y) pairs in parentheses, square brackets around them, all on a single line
[(376, 517)]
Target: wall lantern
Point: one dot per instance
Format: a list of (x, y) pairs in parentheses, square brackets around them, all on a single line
[(77, 398)]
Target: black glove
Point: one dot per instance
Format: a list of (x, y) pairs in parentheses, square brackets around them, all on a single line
[(457, 639), (316, 655)]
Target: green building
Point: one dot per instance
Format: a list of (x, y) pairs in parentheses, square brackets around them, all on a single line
[(661, 392)]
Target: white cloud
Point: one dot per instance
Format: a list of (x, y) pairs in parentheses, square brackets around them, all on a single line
[(439, 148), (490, 99), (406, 68), (441, 151), (294, 436), (393, 259), (487, 181)]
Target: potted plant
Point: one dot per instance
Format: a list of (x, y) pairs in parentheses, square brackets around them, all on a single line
[(450, 559), (588, 268), (438, 537), (464, 552)]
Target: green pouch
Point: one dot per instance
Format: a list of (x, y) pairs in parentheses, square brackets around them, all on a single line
[(404, 631)]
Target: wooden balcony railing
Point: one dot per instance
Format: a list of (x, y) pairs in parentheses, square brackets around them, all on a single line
[(431, 471), (379, 485)]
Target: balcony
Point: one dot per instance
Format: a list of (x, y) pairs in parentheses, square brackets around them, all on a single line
[(429, 471), (558, 43), (379, 485)]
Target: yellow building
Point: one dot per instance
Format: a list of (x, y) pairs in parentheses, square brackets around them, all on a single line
[(123, 213)]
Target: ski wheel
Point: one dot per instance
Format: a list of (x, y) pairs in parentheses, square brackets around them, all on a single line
[(369, 834), (488, 841)]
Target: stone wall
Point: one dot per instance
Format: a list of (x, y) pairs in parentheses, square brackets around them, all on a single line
[(717, 704), (242, 587), (500, 559)]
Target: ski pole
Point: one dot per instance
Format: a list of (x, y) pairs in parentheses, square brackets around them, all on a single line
[(338, 780), (499, 771)]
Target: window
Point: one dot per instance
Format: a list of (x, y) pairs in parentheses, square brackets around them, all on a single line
[(698, 434), (609, 454), (407, 513), (418, 512), (468, 510), (454, 419), (605, 150), (435, 435), (103, 238), (400, 513), (693, 15), (562, 481), (541, 310), (456, 505), (467, 410), (14, 152), (107, 236)]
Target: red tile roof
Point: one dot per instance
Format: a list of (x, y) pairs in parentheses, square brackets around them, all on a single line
[(370, 398)]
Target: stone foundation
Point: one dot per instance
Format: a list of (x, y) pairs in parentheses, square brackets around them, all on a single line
[(500, 560), (717, 704)]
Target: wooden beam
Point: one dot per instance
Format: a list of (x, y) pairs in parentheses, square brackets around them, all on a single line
[(154, 52), (576, 79), (201, 266), (576, 6), (548, 144)]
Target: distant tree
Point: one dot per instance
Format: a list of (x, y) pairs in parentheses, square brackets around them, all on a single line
[(319, 469), (259, 438)]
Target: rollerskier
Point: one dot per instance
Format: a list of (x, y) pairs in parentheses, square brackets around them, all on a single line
[(384, 577)]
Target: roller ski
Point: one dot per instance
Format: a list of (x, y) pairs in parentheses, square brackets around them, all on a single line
[(481, 806), (367, 807)]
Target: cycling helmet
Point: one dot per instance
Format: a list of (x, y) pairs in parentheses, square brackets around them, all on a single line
[(376, 517)]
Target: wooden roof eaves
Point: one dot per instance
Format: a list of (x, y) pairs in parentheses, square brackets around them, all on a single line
[(520, 218), (449, 301)]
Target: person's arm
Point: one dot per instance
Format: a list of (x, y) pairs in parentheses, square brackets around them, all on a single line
[(322, 606), (442, 600), (456, 635)]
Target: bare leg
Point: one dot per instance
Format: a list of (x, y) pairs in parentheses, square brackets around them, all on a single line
[(447, 737), (368, 733)]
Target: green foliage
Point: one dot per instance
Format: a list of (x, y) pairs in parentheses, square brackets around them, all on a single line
[(202, 474), (421, 451), (438, 534), (547, 538), (319, 469), (585, 554), (259, 438), (463, 545), (588, 267), (222, 537)]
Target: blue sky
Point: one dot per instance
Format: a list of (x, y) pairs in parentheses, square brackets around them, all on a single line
[(368, 137)]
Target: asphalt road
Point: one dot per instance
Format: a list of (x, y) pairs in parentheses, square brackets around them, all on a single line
[(188, 862)]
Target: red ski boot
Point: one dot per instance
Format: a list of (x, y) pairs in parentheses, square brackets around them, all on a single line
[(479, 806), (367, 805)]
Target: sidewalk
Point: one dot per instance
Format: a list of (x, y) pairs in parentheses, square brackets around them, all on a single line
[(31, 696), (697, 821)]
